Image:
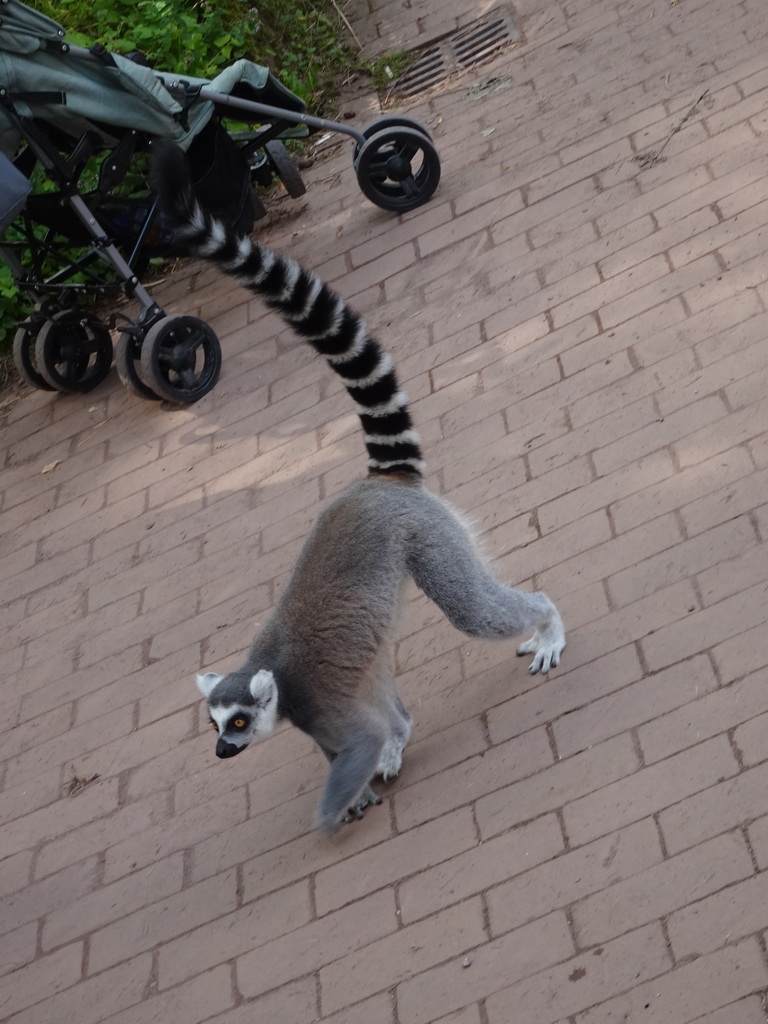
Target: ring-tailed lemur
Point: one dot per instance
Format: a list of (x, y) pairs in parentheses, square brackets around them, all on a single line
[(324, 660)]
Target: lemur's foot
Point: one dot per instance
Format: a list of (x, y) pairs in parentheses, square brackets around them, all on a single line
[(390, 761), (546, 645)]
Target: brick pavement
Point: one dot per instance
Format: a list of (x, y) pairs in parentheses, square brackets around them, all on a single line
[(582, 331)]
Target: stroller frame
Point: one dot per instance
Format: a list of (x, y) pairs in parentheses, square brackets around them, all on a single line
[(62, 346)]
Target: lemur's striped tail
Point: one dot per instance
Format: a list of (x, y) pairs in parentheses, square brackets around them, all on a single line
[(314, 311)]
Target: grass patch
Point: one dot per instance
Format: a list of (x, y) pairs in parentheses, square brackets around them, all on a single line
[(387, 69)]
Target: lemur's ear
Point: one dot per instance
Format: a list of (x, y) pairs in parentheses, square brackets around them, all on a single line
[(206, 683), (262, 686)]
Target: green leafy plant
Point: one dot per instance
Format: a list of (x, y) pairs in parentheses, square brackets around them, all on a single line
[(302, 41), (11, 305)]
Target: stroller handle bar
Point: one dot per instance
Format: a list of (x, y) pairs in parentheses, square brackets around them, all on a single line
[(318, 123), (181, 90)]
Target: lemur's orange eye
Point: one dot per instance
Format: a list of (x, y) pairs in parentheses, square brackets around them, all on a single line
[(239, 723), (214, 726)]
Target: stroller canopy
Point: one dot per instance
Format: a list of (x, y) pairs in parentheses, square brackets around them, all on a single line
[(45, 80)]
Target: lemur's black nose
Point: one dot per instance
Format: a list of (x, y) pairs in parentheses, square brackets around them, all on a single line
[(224, 749)]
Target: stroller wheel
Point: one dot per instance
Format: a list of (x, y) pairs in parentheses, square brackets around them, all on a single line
[(261, 169), (181, 358), (285, 168), (73, 351), (127, 362), (390, 121), (398, 169), (24, 356)]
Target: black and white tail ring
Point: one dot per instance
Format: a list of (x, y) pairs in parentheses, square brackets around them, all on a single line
[(311, 308)]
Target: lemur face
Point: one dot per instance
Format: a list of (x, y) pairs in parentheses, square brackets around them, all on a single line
[(239, 717)]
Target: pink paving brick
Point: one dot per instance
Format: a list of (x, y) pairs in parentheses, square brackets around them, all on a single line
[(758, 836), (93, 999), (697, 988), (296, 1003), (318, 944), (472, 779), (586, 772), (19, 948), (597, 867), (726, 805), (241, 930), (481, 867), (657, 891), (516, 955), (441, 840), (746, 1011), (582, 334), (636, 704), (741, 705), (44, 978), (589, 978), (383, 964), (659, 785), (735, 912), (210, 993)]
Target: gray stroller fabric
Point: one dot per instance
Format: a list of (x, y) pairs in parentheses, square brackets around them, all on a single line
[(99, 97), (14, 189), (23, 29)]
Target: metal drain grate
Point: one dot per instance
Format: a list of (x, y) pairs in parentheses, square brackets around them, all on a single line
[(473, 45)]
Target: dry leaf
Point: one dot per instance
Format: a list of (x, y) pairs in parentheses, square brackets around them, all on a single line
[(78, 784), (50, 466)]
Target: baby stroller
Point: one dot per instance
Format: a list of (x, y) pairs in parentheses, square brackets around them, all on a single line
[(83, 117)]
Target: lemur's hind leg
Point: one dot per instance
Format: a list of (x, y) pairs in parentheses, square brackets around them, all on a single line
[(398, 726), (391, 758), (445, 564)]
